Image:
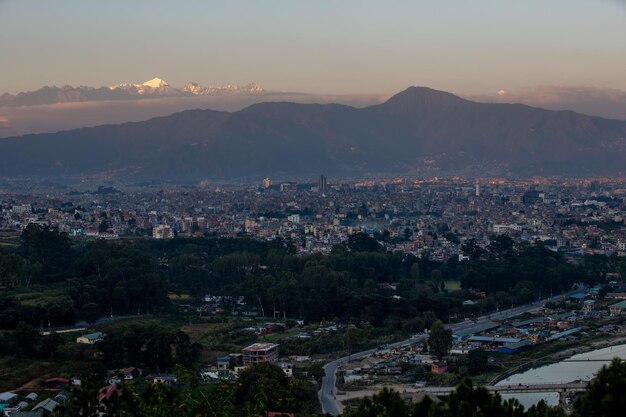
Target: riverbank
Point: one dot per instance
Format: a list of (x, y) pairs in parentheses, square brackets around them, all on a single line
[(573, 348)]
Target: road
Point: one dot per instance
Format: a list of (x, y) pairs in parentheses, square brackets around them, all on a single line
[(328, 389)]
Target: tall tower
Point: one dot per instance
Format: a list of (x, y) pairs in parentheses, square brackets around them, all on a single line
[(323, 187), (477, 189)]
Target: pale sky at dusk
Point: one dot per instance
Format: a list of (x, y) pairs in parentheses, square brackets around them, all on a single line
[(347, 46)]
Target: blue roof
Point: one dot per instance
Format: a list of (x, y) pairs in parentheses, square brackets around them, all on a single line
[(512, 347), (223, 358), (578, 295)]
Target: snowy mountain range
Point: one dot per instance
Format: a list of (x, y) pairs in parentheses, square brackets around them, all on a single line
[(155, 87)]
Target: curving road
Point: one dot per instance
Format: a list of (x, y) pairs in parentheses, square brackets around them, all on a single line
[(328, 389)]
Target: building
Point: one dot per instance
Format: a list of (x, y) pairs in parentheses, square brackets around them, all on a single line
[(267, 183), (8, 398), (288, 186), (287, 368), (47, 406), (294, 218), (617, 309), (438, 367), (259, 353), (323, 186), (90, 339), (223, 363), (166, 379), (162, 231)]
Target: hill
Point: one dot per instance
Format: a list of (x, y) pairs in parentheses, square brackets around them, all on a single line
[(418, 131)]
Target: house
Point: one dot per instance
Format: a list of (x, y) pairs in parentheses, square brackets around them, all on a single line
[(617, 309), (56, 382), (223, 363), (38, 413), (166, 379), (510, 348), (438, 367), (287, 368), (279, 414), (589, 305), (130, 372), (90, 339), (8, 398), (107, 392), (62, 397), (47, 406), (32, 396)]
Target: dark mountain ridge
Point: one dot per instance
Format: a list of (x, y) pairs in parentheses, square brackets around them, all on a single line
[(418, 131)]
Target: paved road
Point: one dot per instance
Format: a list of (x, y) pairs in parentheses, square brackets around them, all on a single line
[(328, 389)]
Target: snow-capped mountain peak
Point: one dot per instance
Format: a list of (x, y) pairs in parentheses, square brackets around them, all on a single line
[(155, 83)]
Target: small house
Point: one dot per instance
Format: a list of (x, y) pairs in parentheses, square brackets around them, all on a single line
[(38, 413), (617, 309), (56, 382), (438, 367), (47, 406), (90, 339), (166, 379), (223, 363), (8, 398)]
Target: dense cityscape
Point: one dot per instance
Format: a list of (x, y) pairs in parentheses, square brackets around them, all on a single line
[(428, 217)]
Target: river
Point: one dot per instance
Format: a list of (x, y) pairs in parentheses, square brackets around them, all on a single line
[(582, 367)]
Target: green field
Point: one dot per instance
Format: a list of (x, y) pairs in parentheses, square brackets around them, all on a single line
[(41, 294), (453, 285)]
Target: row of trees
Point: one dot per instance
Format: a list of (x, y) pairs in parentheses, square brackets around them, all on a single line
[(149, 346), (130, 277), (27, 341)]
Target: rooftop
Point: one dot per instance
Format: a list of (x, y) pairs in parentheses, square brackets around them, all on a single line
[(260, 347)]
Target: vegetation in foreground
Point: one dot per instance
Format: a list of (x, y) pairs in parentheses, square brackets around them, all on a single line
[(265, 388)]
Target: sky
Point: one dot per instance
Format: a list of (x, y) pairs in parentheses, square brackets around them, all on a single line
[(316, 46)]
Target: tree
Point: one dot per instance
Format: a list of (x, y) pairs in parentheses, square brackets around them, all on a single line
[(26, 337), (360, 242), (387, 403), (262, 386), (91, 312), (439, 340), (605, 393), (50, 344), (468, 400), (436, 280), (477, 360), (415, 271), (103, 227)]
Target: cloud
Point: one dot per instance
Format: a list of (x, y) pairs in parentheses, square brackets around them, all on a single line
[(605, 102)]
